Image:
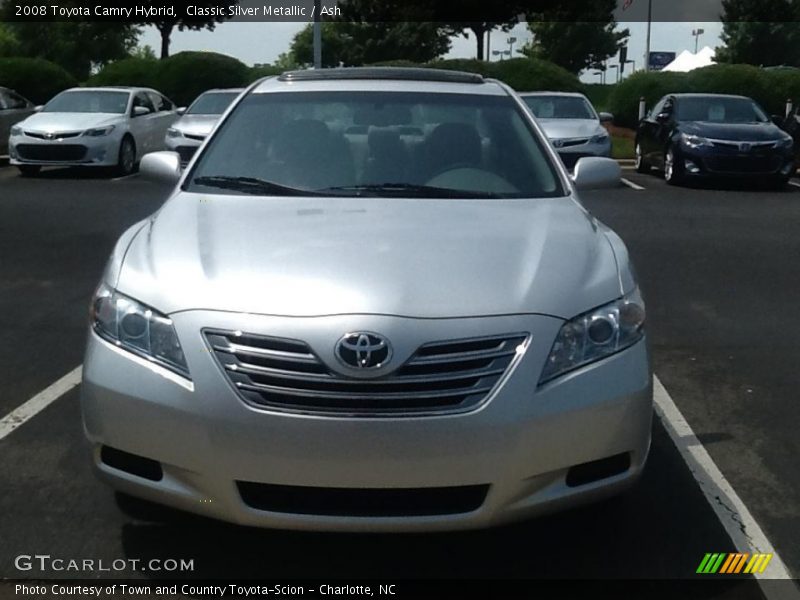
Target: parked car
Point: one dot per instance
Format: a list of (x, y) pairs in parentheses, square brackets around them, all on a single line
[(701, 135), (97, 127), (571, 123), (13, 108), (188, 133), (373, 302)]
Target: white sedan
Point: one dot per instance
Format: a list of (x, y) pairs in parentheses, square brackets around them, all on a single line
[(101, 127)]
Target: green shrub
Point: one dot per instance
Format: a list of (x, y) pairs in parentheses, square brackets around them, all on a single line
[(623, 102), (531, 75), (256, 73), (186, 75), (129, 72), (471, 65), (35, 78), (598, 95)]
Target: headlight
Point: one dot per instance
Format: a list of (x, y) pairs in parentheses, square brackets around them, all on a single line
[(786, 142), (173, 133), (694, 141), (99, 131), (600, 138), (15, 130), (137, 328), (595, 335)]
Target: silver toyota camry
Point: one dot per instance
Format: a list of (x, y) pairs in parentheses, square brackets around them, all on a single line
[(188, 133), (374, 301), (571, 124)]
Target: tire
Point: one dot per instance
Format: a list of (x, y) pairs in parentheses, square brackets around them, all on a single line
[(641, 164), (673, 172), (29, 170), (126, 159)]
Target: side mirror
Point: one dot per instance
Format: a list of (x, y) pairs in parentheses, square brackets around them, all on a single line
[(140, 111), (181, 110), (161, 167), (662, 117), (594, 172), (606, 117)]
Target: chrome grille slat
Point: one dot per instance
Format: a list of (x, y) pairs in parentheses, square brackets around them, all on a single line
[(256, 387), (442, 376)]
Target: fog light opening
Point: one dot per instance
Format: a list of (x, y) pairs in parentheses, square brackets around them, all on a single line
[(691, 167), (131, 463), (596, 470)]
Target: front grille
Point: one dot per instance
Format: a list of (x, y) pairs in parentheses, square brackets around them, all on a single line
[(574, 142), (362, 502), (54, 152), (454, 375), (52, 136), (186, 152), (743, 164)]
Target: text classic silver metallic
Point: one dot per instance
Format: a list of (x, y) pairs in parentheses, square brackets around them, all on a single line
[(373, 302)]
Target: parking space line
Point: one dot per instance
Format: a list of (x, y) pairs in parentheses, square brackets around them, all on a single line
[(737, 520), (632, 185), (39, 402), (125, 177)]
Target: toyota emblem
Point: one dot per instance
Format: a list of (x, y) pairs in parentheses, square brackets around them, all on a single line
[(363, 350)]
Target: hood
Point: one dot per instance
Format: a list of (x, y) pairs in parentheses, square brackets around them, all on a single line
[(570, 128), (733, 131), (63, 122), (326, 256), (196, 124)]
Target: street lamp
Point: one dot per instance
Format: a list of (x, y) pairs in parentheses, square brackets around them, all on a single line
[(511, 41), (617, 69), (697, 33), (501, 53), (601, 74)]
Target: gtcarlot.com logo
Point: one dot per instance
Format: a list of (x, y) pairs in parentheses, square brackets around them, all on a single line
[(46, 562), (734, 562)]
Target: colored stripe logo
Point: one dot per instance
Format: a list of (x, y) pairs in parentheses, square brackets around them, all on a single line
[(732, 563)]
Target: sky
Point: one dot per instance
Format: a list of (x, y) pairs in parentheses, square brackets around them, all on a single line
[(259, 42)]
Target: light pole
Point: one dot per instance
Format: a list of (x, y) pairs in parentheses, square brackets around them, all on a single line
[(317, 34), (617, 69), (511, 41), (601, 74), (501, 53), (697, 33)]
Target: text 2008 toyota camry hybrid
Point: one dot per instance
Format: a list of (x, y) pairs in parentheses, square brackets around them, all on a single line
[(374, 301)]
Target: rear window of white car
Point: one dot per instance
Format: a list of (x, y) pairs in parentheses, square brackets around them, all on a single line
[(88, 102), (377, 144)]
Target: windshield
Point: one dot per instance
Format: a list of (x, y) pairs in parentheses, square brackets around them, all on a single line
[(560, 107), (213, 103), (376, 144), (719, 110), (88, 102)]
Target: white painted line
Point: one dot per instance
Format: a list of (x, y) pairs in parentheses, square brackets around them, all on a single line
[(632, 185), (794, 183), (39, 402), (124, 177), (739, 523)]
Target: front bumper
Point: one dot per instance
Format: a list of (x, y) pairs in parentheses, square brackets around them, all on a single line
[(101, 151), (571, 154), (522, 442), (724, 162), (184, 146)]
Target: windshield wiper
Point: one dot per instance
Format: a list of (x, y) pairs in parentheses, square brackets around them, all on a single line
[(251, 185), (407, 190)]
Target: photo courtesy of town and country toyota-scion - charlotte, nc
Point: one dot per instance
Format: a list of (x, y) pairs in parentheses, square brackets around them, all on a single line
[(205, 591), (145, 11)]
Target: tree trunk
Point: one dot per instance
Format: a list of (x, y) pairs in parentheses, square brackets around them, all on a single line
[(480, 32), (166, 32)]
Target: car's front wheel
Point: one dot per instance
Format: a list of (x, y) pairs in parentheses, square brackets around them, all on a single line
[(29, 170), (673, 172), (126, 161), (642, 165)]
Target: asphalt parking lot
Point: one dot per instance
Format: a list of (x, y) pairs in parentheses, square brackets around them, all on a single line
[(717, 270)]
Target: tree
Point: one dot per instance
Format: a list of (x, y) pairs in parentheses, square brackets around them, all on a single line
[(576, 40), (9, 46), (78, 46), (760, 33), (167, 24), (363, 43), (145, 52)]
